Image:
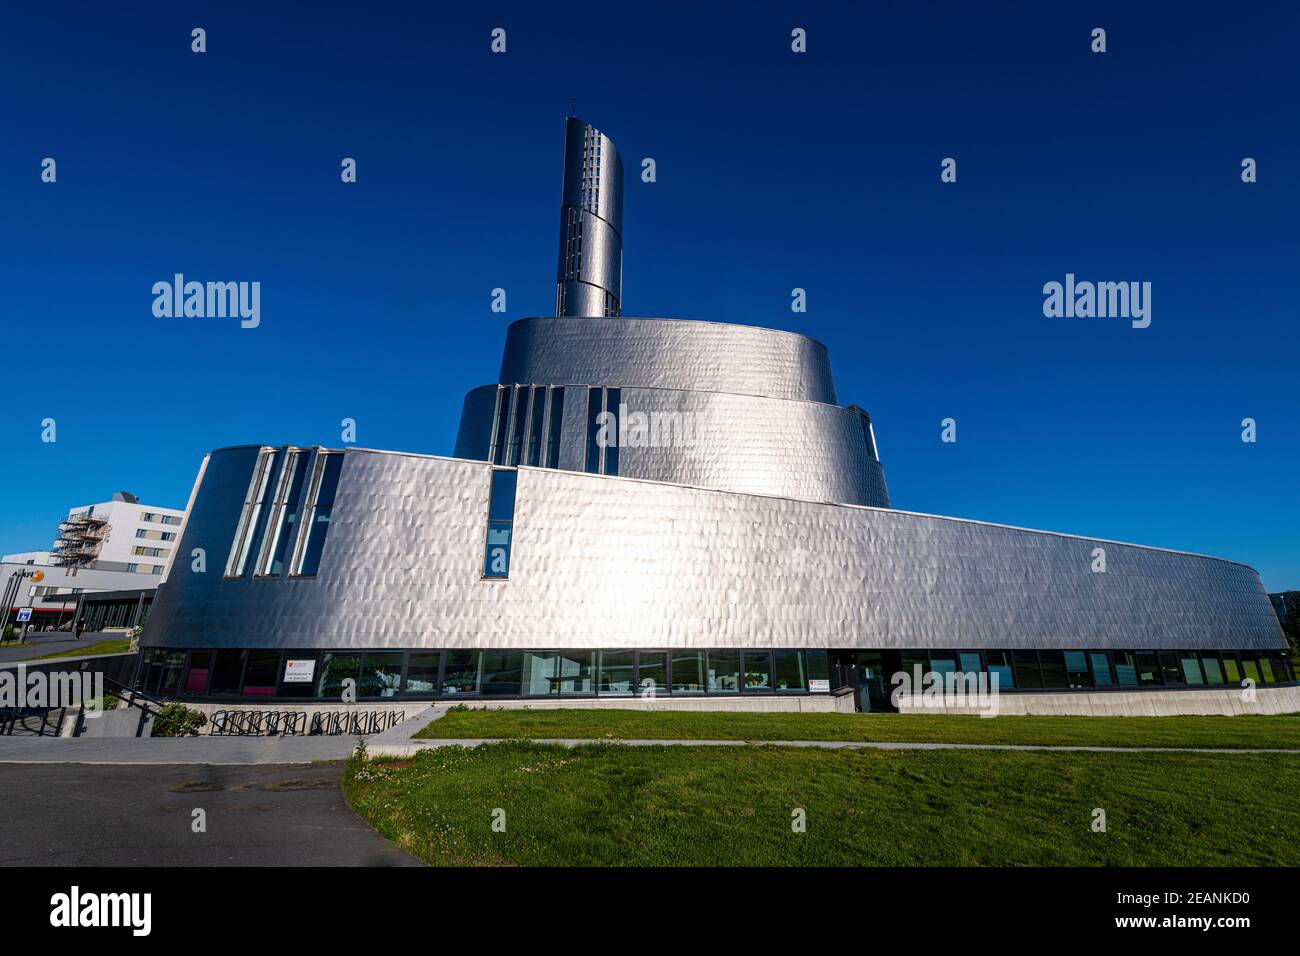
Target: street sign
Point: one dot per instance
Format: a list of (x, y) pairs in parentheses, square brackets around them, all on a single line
[(24, 614)]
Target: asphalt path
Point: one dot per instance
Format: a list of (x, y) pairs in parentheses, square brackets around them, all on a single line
[(62, 814)]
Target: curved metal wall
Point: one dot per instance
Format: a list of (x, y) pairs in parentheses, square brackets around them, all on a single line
[(716, 440), (602, 562), (668, 353)]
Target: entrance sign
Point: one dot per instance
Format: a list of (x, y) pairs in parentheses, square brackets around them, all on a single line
[(299, 672)]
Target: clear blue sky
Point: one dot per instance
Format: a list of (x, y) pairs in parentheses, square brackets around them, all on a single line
[(775, 170)]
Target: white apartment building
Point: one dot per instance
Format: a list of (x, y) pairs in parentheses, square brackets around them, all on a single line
[(118, 535)]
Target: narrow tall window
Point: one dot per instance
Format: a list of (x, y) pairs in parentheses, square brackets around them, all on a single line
[(282, 528), (595, 397), (613, 400), (554, 426), (500, 422), (536, 420), (325, 482), (500, 525), (250, 516), (517, 424)]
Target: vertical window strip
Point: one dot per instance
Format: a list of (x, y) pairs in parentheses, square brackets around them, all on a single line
[(246, 530), (500, 523), (518, 424), (555, 424), (325, 480), (281, 532), (500, 416), (536, 421), (595, 400), (613, 402)]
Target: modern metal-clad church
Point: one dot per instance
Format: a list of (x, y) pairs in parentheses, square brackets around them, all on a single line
[(656, 503)]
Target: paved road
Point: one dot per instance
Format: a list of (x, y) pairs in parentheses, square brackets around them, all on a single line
[(265, 815)]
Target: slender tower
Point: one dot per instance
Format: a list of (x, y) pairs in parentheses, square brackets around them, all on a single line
[(589, 280)]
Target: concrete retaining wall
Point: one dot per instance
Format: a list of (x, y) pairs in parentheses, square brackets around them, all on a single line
[(820, 704), (1172, 703)]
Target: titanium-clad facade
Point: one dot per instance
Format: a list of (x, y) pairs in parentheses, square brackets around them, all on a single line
[(601, 562), (634, 491)]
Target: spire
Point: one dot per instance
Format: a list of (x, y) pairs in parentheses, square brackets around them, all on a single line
[(589, 279)]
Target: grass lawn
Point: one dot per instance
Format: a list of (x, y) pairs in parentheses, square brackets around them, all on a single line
[(607, 804), (99, 647), (1265, 732)]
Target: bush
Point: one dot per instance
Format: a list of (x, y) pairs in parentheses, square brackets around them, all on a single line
[(177, 720)]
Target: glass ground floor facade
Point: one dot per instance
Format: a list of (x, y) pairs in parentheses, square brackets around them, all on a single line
[(422, 674), (869, 672), (475, 675)]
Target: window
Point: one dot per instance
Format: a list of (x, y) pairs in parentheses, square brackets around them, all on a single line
[(1249, 668), (652, 672), (688, 672), (613, 405), (617, 672), (518, 421), (461, 675), (282, 528), (499, 435), (1101, 675), (1266, 669), (1191, 669), (501, 673), (758, 670), (422, 673), (540, 674), (1173, 674), (325, 483), (910, 661), (537, 420), (226, 672), (1281, 666), (250, 517), (173, 665), (1126, 668), (724, 672), (335, 668), (500, 524), (381, 674), (968, 662), (196, 677), (1027, 673), (1230, 668), (298, 674), (943, 663), (1000, 665), (1148, 669), (1213, 672), (553, 429), (262, 674), (1052, 664), (819, 671), (595, 396), (1076, 669), (789, 671)]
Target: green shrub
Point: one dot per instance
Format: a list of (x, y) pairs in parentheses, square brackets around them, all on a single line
[(177, 720)]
